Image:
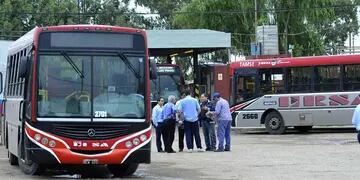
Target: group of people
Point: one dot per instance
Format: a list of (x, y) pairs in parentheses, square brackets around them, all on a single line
[(188, 114)]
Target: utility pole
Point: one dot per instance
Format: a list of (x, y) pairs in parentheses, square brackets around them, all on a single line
[(255, 26), (350, 43), (78, 4)]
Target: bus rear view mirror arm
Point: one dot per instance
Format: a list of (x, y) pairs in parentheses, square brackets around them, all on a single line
[(153, 70)]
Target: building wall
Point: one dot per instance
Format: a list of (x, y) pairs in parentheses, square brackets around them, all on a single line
[(222, 82)]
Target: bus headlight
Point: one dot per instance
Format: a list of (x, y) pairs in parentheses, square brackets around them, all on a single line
[(128, 144), (136, 141), (52, 143), (37, 137), (44, 141), (143, 138)]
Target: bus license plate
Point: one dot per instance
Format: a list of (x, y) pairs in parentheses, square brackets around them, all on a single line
[(90, 161)]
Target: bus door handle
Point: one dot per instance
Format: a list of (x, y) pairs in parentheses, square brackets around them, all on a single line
[(21, 107)]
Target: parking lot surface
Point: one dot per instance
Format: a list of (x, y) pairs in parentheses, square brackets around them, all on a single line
[(319, 154)]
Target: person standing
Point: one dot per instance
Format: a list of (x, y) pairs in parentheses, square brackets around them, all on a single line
[(168, 114), (223, 116), (190, 108), (180, 121), (207, 123), (158, 123), (356, 121)]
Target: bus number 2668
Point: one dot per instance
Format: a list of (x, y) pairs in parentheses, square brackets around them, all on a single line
[(250, 116)]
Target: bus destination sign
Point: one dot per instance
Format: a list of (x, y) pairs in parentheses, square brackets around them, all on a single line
[(165, 69)]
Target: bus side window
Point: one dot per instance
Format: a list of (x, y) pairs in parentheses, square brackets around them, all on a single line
[(328, 78), (351, 77), (272, 81)]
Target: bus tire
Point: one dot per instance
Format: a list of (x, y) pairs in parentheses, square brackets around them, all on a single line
[(303, 129), (274, 123), (122, 170), (13, 160), (30, 168)]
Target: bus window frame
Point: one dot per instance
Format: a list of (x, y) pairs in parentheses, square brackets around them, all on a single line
[(1, 83)]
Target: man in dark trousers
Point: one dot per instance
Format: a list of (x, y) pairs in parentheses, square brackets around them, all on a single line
[(180, 121), (207, 123), (190, 108), (168, 114), (158, 123)]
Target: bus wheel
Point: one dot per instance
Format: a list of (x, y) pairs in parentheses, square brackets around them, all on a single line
[(122, 170), (13, 160), (274, 123), (303, 128), (30, 168)]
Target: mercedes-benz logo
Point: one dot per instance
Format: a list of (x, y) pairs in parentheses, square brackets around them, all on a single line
[(91, 132)]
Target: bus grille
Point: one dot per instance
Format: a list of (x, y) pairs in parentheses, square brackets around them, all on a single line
[(81, 132)]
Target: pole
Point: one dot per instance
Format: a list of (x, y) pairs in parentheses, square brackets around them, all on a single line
[(349, 43), (255, 26), (78, 1)]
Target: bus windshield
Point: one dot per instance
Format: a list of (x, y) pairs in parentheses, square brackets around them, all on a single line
[(169, 85), (104, 86)]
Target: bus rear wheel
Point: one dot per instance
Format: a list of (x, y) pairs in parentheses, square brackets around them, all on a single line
[(274, 123), (122, 170), (303, 128)]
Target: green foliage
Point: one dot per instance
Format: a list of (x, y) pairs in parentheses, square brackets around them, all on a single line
[(308, 25), (165, 10), (18, 17)]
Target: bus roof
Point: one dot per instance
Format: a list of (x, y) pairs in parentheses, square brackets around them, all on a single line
[(28, 38), (296, 62)]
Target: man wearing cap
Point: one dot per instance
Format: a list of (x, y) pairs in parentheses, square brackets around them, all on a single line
[(223, 116)]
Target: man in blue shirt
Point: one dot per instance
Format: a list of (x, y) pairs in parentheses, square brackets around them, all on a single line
[(158, 123), (190, 108), (169, 116), (223, 116), (356, 120)]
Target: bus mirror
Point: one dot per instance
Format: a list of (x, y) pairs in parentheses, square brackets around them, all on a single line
[(1, 83), (153, 70), (23, 66)]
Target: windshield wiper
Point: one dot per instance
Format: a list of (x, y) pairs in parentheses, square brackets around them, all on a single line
[(73, 65), (175, 81), (129, 65)]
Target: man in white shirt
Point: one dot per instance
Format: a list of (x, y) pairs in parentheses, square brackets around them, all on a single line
[(158, 123), (356, 120)]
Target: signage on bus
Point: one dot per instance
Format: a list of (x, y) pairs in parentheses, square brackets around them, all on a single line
[(318, 100), (165, 69)]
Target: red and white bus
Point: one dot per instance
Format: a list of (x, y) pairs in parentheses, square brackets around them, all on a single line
[(170, 81), (79, 94), (296, 92)]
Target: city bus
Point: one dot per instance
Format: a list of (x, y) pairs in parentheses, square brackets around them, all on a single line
[(296, 92), (78, 95), (170, 81)]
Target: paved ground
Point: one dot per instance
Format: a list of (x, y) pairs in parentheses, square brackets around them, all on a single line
[(321, 154)]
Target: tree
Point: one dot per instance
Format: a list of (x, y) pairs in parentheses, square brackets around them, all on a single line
[(18, 17), (165, 10), (308, 25)]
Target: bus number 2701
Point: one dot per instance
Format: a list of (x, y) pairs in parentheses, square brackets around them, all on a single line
[(250, 116)]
